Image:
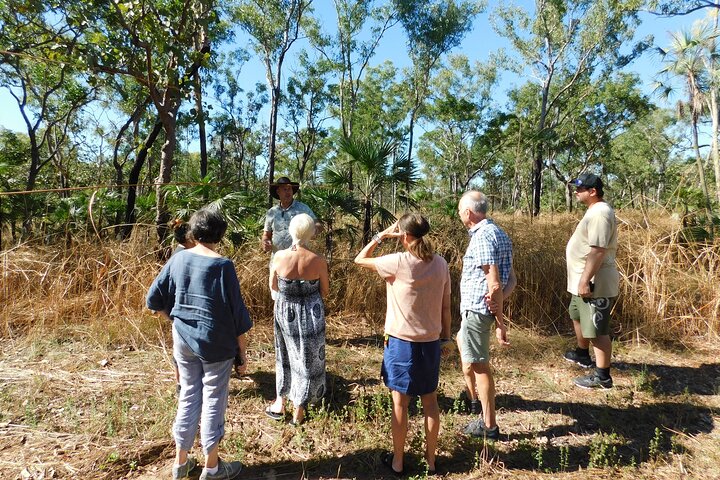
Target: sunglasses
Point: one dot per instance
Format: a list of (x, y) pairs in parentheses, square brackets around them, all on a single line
[(581, 189)]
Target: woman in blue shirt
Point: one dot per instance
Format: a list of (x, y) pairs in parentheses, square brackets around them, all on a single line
[(198, 290)]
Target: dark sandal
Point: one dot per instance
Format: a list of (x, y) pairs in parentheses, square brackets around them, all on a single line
[(274, 415), (387, 460)]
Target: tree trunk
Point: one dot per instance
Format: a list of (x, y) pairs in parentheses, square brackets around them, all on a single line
[(201, 125), (367, 217), (274, 105), (715, 131), (410, 149), (30, 183), (162, 216), (134, 178), (701, 169)]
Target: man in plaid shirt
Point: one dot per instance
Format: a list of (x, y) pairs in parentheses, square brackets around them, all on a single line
[(487, 278)]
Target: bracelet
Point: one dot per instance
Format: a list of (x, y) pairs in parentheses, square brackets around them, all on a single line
[(376, 238)]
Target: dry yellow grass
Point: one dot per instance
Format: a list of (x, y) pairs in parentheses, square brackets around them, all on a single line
[(86, 388), (670, 289)]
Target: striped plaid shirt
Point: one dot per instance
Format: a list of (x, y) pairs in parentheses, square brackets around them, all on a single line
[(489, 245)]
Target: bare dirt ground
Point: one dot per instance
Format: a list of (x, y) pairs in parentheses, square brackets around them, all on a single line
[(73, 406)]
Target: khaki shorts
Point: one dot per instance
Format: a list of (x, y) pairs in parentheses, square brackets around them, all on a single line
[(475, 336), (593, 315)]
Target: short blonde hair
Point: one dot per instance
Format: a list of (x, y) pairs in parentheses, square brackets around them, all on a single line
[(301, 228)]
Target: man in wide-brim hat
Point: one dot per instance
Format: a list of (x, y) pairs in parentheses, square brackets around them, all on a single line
[(277, 219)]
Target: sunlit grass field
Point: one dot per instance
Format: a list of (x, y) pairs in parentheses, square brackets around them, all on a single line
[(86, 387)]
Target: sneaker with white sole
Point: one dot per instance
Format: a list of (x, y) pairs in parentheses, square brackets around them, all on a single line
[(226, 471), (583, 361), (183, 471), (593, 381)]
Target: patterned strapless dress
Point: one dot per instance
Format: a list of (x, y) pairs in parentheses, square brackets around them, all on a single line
[(299, 341)]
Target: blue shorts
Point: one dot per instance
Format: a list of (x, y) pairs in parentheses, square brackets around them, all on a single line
[(411, 368)]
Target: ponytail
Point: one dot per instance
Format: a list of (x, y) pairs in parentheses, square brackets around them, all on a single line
[(417, 226)]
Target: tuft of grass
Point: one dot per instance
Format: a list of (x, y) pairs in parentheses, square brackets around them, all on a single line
[(603, 450)]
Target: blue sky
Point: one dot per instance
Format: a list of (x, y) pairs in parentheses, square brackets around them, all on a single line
[(478, 44)]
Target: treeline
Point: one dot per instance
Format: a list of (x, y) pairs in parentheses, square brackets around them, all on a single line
[(112, 92)]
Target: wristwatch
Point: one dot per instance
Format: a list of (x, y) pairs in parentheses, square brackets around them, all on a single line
[(376, 238)]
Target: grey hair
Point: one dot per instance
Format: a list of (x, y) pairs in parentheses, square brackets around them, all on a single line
[(475, 201), (301, 228)]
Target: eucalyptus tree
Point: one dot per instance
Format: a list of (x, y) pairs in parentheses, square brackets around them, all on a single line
[(380, 114), (348, 55), (641, 157), (562, 43), (460, 115), (683, 60), (582, 140), (273, 26), (152, 43), (39, 69), (306, 112), (14, 152), (236, 142), (671, 8), (433, 28), (380, 104)]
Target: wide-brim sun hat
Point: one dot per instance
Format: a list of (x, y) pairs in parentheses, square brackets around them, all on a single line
[(283, 181)]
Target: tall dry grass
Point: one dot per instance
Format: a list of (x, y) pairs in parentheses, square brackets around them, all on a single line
[(669, 289)]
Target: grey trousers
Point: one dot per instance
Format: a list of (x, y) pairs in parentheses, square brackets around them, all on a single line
[(204, 389)]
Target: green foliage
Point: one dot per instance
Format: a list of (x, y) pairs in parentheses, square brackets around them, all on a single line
[(645, 381), (372, 170), (603, 450), (564, 458), (376, 407), (539, 456), (655, 448)]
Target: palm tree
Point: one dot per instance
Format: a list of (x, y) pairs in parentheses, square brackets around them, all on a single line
[(683, 59), (706, 35), (371, 163), (330, 205)]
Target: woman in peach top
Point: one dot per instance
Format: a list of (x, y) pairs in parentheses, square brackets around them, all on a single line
[(417, 321)]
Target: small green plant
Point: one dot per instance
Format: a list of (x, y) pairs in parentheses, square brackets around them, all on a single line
[(564, 462), (538, 454), (318, 412), (112, 457), (377, 406), (603, 451), (458, 406), (655, 447), (360, 411), (31, 414), (236, 445), (644, 381), (417, 442), (477, 460)]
